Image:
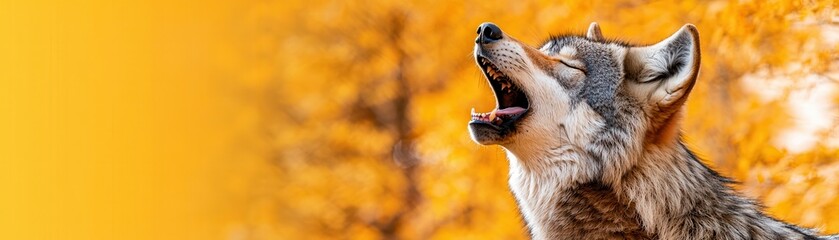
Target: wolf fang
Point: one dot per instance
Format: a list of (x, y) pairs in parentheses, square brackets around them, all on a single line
[(596, 154)]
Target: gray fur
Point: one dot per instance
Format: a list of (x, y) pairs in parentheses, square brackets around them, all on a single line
[(594, 167)]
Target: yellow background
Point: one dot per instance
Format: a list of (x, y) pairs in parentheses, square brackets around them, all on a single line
[(112, 119)]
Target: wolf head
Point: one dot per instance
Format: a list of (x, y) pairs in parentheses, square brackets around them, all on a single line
[(606, 99)]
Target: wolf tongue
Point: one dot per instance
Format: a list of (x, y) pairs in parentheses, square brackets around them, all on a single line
[(509, 111)]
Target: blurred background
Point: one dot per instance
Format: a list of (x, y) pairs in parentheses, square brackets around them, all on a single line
[(347, 119)]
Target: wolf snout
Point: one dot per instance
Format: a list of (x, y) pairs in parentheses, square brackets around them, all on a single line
[(488, 32)]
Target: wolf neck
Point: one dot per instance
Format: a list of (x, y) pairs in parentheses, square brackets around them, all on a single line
[(678, 197), (667, 194), (559, 198)]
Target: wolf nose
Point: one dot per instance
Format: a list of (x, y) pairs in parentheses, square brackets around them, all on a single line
[(488, 32)]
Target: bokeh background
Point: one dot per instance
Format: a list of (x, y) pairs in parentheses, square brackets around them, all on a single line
[(347, 119)]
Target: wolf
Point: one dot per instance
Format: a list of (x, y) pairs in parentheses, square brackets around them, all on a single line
[(590, 127)]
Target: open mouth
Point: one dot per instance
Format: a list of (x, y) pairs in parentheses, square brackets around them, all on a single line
[(511, 102)]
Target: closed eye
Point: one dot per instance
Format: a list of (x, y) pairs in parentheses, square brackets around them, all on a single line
[(574, 66)]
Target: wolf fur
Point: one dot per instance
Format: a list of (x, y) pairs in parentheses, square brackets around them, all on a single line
[(599, 155)]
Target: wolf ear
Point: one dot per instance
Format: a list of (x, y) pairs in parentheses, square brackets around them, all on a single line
[(594, 32), (662, 75)]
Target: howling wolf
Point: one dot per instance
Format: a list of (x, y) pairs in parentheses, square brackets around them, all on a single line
[(591, 130)]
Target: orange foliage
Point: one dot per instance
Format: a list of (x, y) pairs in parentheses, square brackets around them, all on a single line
[(358, 127)]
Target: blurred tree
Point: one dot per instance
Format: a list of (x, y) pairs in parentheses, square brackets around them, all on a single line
[(363, 108)]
